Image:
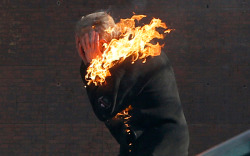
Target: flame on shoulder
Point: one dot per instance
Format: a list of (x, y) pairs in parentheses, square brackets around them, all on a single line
[(133, 41)]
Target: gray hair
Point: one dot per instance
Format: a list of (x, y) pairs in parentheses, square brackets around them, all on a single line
[(98, 21)]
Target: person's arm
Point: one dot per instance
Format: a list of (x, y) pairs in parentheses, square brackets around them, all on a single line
[(83, 69), (104, 98), (107, 99)]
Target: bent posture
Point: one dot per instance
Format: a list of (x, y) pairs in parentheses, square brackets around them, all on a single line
[(139, 103)]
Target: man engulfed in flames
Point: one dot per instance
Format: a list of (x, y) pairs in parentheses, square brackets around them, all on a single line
[(131, 85)]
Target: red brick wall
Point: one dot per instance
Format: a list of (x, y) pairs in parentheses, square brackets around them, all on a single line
[(44, 109)]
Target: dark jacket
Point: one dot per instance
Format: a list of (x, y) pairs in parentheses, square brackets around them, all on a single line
[(156, 124)]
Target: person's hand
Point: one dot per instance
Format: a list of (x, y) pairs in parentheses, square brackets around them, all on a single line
[(88, 47), (91, 46), (80, 49)]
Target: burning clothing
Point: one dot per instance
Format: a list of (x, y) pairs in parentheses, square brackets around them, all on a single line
[(140, 105)]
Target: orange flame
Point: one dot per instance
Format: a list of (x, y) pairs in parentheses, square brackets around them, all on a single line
[(125, 116), (133, 41), (125, 113)]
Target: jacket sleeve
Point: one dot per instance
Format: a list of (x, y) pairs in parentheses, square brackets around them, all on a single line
[(83, 72), (105, 101)]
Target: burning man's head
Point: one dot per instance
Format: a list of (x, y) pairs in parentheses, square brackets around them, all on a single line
[(99, 22)]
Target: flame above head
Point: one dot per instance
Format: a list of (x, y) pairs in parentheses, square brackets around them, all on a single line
[(133, 41)]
